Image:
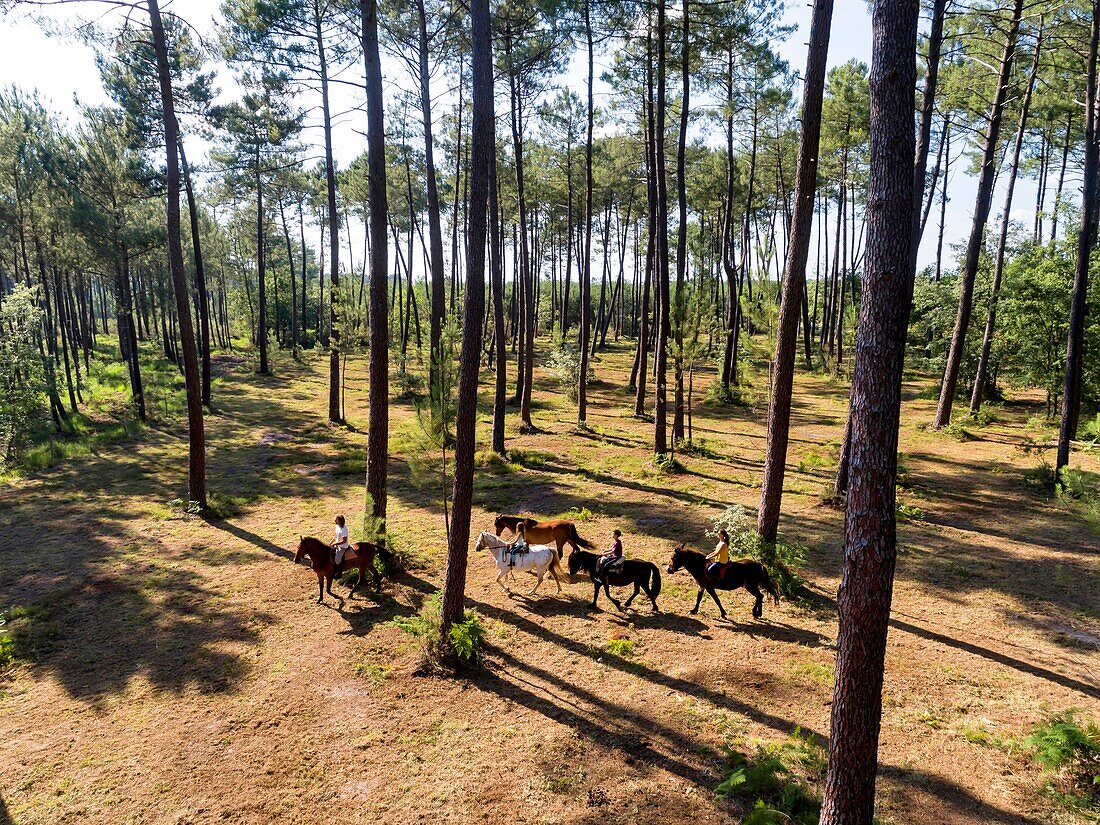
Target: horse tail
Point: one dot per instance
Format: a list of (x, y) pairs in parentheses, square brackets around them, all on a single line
[(556, 568), (655, 572), (575, 536), (769, 585)]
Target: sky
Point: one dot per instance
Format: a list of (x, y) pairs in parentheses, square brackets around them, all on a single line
[(63, 71)]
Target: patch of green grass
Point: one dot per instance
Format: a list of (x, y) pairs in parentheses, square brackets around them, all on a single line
[(777, 782), (353, 463), (531, 459), (667, 463), (957, 430), (581, 514), (623, 648), (28, 632), (822, 674), (813, 461), (931, 719), (494, 462), (1069, 751)]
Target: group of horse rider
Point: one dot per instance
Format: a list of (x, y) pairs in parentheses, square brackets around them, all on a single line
[(611, 558)]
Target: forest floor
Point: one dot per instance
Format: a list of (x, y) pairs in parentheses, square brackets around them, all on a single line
[(182, 672)]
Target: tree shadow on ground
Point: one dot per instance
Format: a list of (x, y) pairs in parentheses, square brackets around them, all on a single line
[(161, 624), (649, 674), (914, 786)]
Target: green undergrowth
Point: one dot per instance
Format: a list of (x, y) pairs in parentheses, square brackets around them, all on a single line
[(1068, 750), (28, 632), (465, 639), (776, 782)]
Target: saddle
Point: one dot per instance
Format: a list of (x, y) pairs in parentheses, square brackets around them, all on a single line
[(349, 555), (517, 551), (715, 570)]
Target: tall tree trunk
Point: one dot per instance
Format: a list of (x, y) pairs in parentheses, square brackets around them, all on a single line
[(982, 373), (196, 483), (435, 228), (1061, 178), (660, 365), (794, 278), (200, 278), (378, 427), (977, 232), (496, 249), (586, 263), (1086, 241), (869, 530), (484, 145), (681, 231), (641, 361), (334, 413), (261, 273)]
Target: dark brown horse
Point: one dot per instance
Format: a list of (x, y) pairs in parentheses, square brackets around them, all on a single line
[(360, 557), (557, 532), (747, 573)]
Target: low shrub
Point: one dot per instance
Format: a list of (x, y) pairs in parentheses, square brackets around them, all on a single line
[(1069, 751), (778, 780)]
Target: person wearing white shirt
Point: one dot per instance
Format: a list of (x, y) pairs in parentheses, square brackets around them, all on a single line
[(340, 543)]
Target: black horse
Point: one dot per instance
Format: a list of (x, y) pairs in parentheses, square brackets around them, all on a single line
[(746, 573), (644, 575)]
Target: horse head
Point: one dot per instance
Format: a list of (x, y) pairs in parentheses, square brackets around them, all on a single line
[(576, 561), (301, 551), (677, 560), (481, 542), (500, 523)]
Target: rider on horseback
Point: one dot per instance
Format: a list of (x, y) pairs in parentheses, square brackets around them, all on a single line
[(339, 546), (720, 554), (519, 545), (613, 555)]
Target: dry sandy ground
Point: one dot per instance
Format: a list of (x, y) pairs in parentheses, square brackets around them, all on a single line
[(188, 675)]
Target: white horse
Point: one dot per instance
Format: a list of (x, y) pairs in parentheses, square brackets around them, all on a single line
[(537, 560)]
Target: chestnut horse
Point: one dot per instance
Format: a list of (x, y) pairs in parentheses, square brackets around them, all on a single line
[(747, 573), (557, 532), (360, 557)]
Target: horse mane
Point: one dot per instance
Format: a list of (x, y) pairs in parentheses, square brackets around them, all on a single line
[(313, 541), (688, 552)]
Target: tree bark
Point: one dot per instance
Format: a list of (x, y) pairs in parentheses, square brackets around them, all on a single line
[(200, 278), (586, 264), (483, 146), (982, 372), (1086, 241), (977, 232), (869, 531), (660, 365), (378, 427), (794, 278), (196, 483)]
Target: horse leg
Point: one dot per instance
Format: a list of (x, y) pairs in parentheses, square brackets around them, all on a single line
[(758, 606), (714, 596), (539, 574), (320, 588), (358, 581), (637, 589), (698, 601), (614, 601), (503, 584), (595, 595), (328, 589)]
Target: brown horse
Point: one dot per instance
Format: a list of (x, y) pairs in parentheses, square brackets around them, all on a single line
[(360, 557), (557, 532), (747, 573)]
